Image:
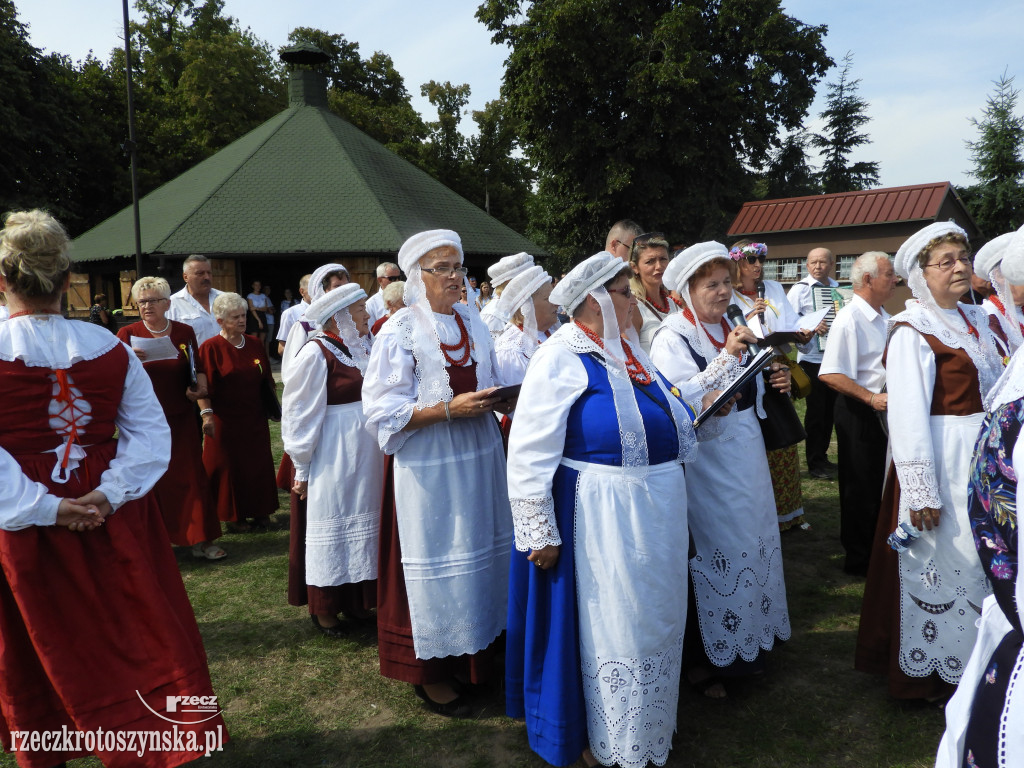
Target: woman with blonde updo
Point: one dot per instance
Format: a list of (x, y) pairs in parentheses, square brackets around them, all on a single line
[(69, 567), (184, 492), (236, 452)]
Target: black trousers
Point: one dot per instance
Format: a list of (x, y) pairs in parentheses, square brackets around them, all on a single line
[(818, 418), (862, 443)]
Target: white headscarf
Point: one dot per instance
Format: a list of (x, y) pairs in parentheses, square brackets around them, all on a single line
[(588, 279), (988, 266), (419, 336), (518, 295), (677, 278), (335, 304), (927, 317)]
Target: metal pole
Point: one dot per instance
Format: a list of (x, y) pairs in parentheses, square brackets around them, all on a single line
[(487, 189), (130, 146)]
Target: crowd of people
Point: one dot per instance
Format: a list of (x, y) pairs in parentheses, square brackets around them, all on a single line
[(526, 480)]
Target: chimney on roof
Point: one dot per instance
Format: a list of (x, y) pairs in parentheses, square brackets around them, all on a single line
[(307, 86)]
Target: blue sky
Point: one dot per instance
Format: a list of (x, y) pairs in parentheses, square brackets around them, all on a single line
[(925, 67)]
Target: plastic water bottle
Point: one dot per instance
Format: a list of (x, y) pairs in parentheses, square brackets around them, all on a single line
[(903, 537)]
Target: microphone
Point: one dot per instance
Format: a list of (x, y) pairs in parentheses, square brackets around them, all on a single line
[(736, 315), (760, 295)]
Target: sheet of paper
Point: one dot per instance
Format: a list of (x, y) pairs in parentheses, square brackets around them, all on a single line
[(155, 349)]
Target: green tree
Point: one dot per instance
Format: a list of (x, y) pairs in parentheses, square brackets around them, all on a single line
[(201, 83), (446, 155), (652, 110), (496, 159), (789, 174), (54, 151), (844, 116), (997, 200)]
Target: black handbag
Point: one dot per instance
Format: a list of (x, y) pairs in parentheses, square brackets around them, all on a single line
[(781, 428), (271, 407)]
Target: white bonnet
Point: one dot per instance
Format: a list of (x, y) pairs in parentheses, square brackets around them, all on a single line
[(907, 255), (419, 245), (520, 288), (508, 267), (315, 287), (325, 307), (1013, 258), (688, 261), (990, 254), (585, 277)]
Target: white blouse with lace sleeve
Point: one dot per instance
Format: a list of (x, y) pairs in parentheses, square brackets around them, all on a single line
[(303, 408), (910, 377), (554, 381)]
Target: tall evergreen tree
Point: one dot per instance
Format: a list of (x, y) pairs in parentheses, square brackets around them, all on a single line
[(844, 116), (997, 200), (789, 174)]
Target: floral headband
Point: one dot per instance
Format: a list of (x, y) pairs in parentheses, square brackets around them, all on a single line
[(750, 249)]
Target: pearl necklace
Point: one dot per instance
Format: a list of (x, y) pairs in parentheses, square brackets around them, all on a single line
[(162, 330), (236, 346)]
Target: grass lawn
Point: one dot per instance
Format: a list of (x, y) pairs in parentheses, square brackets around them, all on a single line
[(294, 698)]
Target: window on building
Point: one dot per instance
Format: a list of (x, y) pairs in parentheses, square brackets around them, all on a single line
[(786, 271)]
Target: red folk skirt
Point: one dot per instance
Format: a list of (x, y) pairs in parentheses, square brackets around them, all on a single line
[(93, 623)]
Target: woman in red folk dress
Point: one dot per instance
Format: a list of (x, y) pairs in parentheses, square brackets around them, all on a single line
[(236, 452), (183, 493), (96, 630)]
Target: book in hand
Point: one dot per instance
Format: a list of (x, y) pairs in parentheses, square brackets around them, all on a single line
[(786, 335), (506, 393), (753, 368)]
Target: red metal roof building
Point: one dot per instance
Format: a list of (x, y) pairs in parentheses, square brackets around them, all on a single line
[(847, 223)]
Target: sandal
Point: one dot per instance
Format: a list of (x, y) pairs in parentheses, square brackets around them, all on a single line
[(208, 551)]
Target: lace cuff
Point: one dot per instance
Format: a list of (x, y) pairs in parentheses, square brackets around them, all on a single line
[(390, 436), (711, 429), (534, 523), (918, 486), (719, 372)]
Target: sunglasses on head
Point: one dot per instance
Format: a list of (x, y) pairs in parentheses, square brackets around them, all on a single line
[(642, 241)]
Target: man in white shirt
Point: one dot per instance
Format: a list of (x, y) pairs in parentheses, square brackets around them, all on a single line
[(387, 273), (296, 313), (193, 304), (821, 400), (852, 366)]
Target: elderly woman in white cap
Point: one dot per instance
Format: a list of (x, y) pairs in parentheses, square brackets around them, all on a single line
[(526, 301), (942, 359), (338, 467), (736, 572), (323, 279), (597, 598), (500, 274), (446, 528), (1004, 303), (983, 718)]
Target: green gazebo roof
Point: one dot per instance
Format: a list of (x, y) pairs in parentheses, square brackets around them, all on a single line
[(304, 182)]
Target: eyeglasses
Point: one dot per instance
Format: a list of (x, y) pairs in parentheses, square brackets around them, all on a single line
[(147, 302), (625, 291), (446, 271), (391, 279), (756, 258), (946, 265)]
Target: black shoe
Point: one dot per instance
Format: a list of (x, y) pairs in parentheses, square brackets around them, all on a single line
[(457, 707), (822, 473), (336, 632)]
